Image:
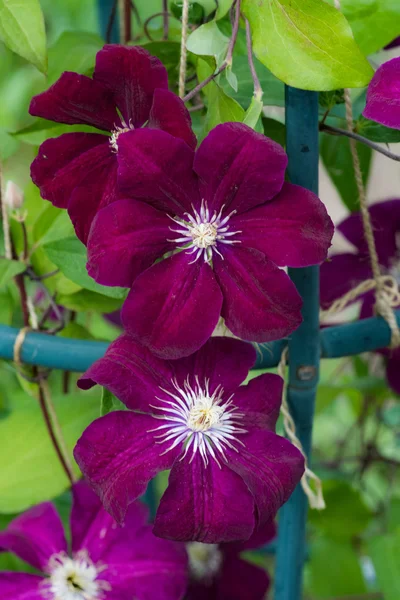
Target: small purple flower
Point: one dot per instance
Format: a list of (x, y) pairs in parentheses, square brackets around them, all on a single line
[(191, 416), (383, 95), (229, 220), (129, 90), (105, 561), (218, 572), (345, 271)]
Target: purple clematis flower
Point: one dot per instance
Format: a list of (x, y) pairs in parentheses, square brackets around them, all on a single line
[(229, 221), (191, 416), (383, 95), (129, 90), (218, 572), (345, 271), (105, 562)]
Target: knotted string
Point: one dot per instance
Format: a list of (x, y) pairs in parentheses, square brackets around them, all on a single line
[(184, 36)]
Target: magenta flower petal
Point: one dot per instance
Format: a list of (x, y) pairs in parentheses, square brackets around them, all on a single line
[(260, 302), (194, 506), (383, 95), (239, 168), (131, 372), (385, 218), (340, 274), (166, 308), (260, 537), (126, 238), (393, 370), (223, 361), (86, 200), (293, 229), (20, 586), (260, 401), (157, 167), (35, 536), (271, 468), (169, 113), (118, 454), (75, 99), (241, 580), (63, 163), (131, 74)]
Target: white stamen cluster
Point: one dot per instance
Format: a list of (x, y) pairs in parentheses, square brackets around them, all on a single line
[(203, 421), (204, 560), (117, 132), (201, 232), (74, 578)]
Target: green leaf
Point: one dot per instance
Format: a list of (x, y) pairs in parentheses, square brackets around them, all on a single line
[(391, 416), (336, 156), (196, 11), (106, 404), (22, 30), (9, 268), (69, 255), (52, 224), (274, 130), (169, 53), (76, 332), (376, 132), (32, 472), (253, 113), (385, 553), (307, 44), (223, 7), (208, 40), (87, 300), (73, 51), (329, 99), (40, 130), (57, 282)]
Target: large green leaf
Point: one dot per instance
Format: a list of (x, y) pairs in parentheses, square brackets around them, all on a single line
[(307, 44), (69, 255), (208, 40), (10, 268), (336, 156), (87, 300), (73, 51), (22, 30), (32, 472), (376, 132), (53, 224), (385, 554)]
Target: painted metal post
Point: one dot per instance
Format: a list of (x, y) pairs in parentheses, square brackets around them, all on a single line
[(105, 10), (304, 344)]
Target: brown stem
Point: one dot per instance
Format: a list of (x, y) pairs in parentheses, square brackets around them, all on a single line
[(256, 82), (165, 19), (147, 21), (127, 21), (359, 138)]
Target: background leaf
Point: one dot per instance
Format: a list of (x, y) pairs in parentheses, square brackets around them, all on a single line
[(385, 554), (10, 268)]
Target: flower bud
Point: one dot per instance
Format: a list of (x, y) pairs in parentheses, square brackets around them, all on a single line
[(14, 196)]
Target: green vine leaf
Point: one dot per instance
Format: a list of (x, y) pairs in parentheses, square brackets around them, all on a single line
[(208, 40), (22, 30), (307, 44), (9, 268)]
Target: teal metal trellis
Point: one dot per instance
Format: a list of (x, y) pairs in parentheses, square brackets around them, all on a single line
[(306, 345)]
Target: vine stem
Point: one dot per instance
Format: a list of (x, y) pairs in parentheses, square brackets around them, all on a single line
[(165, 19), (258, 92), (184, 36), (359, 138)]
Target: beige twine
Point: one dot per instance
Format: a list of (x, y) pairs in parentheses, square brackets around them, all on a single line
[(386, 288), (315, 499), (184, 36)]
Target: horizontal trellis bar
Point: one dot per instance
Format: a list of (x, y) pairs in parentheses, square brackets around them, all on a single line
[(77, 355)]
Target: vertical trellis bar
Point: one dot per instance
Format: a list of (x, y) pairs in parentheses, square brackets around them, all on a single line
[(106, 8), (304, 345)]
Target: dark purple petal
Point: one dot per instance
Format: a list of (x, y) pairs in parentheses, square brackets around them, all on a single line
[(393, 370), (75, 99), (173, 307), (223, 361), (157, 167), (271, 467), (260, 302), (385, 218), (341, 273), (169, 113), (126, 238), (35, 536), (393, 44), (62, 164), (20, 586), (293, 229), (241, 580), (98, 191), (206, 504), (239, 168), (119, 455), (260, 537), (131, 372), (260, 401), (383, 95), (131, 74)]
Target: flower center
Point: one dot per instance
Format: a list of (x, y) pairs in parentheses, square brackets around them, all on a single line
[(202, 232), (199, 419), (74, 578), (117, 132), (204, 560)]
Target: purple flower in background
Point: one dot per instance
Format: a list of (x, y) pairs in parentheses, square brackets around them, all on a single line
[(218, 572), (383, 95), (129, 89), (345, 271), (230, 471), (393, 44), (230, 222), (105, 561)]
